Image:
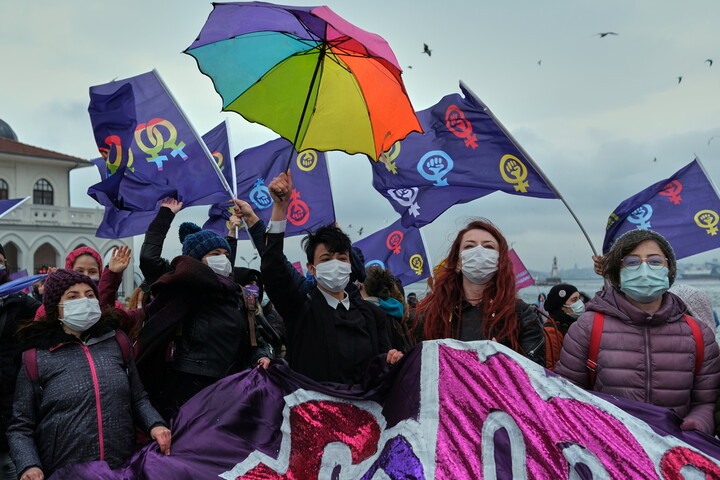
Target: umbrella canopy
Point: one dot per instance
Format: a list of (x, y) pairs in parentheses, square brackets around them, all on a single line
[(307, 74)]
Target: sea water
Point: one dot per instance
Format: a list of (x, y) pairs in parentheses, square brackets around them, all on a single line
[(590, 286)]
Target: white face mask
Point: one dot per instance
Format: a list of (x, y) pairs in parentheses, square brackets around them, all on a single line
[(479, 264), (81, 313), (333, 275), (219, 264), (578, 308)]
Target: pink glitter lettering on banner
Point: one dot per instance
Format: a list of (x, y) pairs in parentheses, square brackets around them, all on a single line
[(469, 391), (313, 425), (676, 458)]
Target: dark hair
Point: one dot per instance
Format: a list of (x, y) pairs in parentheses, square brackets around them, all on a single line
[(499, 296), (334, 239), (381, 283), (626, 243)]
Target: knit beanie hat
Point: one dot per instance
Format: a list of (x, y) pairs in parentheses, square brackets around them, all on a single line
[(59, 281), (72, 256), (697, 302), (197, 242), (558, 295)]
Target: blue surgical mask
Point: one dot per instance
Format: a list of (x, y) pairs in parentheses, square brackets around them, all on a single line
[(645, 284)]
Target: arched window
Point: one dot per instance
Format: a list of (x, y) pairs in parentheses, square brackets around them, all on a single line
[(4, 190), (42, 193)]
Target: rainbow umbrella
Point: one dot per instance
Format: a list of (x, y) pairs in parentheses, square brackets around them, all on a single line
[(307, 74)]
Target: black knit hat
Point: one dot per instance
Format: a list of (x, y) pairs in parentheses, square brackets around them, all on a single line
[(197, 242), (558, 295), (59, 281)]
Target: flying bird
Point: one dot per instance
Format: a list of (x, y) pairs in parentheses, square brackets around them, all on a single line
[(605, 34), (655, 159), (426, 49), (539, 62), (679, 79), (711, 139), (709, 60), (360, 231)]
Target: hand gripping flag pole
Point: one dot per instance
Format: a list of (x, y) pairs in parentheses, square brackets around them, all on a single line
[(207, 152), (532, 162)]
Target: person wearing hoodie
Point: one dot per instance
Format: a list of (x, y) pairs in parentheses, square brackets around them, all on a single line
[(648, 350), (85, 397), (381, 289), (561, 308)]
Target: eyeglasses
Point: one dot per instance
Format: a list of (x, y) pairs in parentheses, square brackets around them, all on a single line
[(655, 262)]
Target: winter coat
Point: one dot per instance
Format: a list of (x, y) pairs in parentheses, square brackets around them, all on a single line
[(207, 314), (319, 338), (13, 309), (645, 357), (83, 406)]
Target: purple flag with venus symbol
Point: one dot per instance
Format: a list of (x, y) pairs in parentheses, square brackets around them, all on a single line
[(311, 203), (463, 155), (683, 208), (398, 249), (449, 410), (125, 218)]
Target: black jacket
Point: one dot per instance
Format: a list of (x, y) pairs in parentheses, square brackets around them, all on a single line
[(322, 343), (13, 309)]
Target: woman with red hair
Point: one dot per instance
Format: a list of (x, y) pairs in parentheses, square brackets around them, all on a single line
[(474, 296)]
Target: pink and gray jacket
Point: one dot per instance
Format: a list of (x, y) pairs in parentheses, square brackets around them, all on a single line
[(644, 357)]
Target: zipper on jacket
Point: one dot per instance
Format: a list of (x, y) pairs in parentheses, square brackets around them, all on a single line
[(96, 385), (647, 364)]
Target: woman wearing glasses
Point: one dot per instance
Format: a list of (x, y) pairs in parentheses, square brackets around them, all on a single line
[(635, 340)]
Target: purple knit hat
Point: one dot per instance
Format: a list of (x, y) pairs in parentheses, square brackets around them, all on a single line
[(59, 281)]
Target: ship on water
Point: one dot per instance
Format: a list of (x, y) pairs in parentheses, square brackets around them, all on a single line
[(554, 277), (708, 271)]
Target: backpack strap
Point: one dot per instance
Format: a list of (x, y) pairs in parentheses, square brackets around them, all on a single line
[(699, 342), (594, 347), (29, 359), (125, 347)]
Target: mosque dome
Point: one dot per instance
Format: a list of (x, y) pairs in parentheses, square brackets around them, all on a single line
[(6, 131)]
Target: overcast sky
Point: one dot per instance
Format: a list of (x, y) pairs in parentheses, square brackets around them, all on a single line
[(593, 112)]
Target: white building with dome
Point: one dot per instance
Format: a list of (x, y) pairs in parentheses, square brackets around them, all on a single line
[(43, 230)]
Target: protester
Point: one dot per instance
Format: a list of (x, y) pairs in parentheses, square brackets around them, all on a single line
[(110, 282), (382, 290), (331, 336), (13, 310), (540, 304), (474, 296), (637, 340), (78, 394), (198, 315), (562, 307)]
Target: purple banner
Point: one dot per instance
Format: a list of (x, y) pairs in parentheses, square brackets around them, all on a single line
[(463, 155), (498, 416), (401, 250), (684, 208), (311, 203)]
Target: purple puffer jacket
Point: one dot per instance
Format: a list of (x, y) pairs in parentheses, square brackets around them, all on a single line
[(648, 358)]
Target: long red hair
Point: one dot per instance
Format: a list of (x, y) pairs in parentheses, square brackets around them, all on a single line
[(441, 307)]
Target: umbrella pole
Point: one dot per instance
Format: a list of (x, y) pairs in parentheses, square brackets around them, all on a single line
[(321, 57)]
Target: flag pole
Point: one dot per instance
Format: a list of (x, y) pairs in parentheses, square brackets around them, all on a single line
[(532, 162), (204, 147), (702, 167)]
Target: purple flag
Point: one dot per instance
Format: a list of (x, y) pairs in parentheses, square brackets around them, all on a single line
[(19, 284), (311, 203), (401, 250), (463, 155), (683, 208), (449, 410), (150, 153), (6, 206)]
